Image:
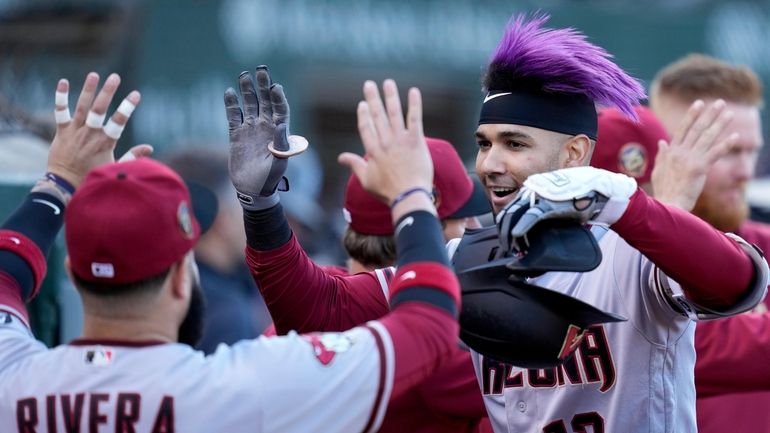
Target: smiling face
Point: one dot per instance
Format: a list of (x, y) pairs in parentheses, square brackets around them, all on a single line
[(508, 154)]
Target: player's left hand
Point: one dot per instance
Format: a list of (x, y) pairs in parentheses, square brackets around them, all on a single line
[(584, 194), (681, 166), (83, 141)]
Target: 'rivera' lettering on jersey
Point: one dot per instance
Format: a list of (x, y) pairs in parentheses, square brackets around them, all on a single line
[(593, 357), (71, 408)]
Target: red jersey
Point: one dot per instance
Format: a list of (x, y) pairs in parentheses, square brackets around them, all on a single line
[(732, 377), (449, 401)]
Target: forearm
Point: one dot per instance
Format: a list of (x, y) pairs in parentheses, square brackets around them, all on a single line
[(688, 250), (298, 293), (25, 239), (733, 355)]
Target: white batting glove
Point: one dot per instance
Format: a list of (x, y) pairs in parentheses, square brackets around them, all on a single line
[(584, 194)]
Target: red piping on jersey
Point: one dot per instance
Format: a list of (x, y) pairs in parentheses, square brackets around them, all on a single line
[(25, 248), (381, 385), (10, 295), (125, 343)]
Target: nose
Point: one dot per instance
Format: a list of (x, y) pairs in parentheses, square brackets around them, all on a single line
[(744, 167), (491, 161)]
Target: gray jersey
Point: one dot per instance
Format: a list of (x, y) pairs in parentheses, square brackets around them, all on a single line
[(634, 376), (264, 385)]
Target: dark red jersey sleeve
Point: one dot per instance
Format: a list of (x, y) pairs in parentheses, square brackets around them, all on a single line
[(302, 297), (688, 250), (456, 390)]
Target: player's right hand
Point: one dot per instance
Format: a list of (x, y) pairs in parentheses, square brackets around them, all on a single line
[(397, 154), (582, 194), (259, 133), (83, 141)]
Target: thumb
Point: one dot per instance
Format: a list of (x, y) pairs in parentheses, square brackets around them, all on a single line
[(355, 163), (138, 151), (281, 137)]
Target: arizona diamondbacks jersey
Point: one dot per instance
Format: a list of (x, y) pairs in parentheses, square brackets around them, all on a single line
[(634, 376), (263, 385)]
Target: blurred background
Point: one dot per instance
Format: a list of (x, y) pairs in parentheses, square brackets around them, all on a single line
[(183, 54)]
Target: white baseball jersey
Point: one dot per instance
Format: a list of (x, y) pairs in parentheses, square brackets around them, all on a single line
[(334, 382), (634, 376)]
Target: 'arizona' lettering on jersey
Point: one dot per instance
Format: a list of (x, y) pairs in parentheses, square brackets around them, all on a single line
[(591, 363)]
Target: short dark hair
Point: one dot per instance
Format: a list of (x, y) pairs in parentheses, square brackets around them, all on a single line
[(371, 251), (144, 286), (699, 76)]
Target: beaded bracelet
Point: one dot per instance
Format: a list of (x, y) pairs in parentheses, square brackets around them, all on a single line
[(55, 186), (399, 198)]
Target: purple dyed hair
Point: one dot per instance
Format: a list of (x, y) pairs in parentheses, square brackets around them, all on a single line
[(560, 60)]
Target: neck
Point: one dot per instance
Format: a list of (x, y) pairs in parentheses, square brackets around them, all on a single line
[(354, 267), (133, 329)]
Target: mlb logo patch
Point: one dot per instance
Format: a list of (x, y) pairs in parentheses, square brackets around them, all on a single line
[(102, 270), (100, 357)]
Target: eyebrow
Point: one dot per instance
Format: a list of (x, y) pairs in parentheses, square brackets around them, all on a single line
[(506, 134)]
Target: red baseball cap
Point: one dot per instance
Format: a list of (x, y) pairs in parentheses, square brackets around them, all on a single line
[(129, 221), (457, 196), (628, 147)]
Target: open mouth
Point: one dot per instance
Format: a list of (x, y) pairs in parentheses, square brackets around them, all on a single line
[(501, 192)]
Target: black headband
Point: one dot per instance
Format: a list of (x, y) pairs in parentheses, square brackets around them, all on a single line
[(568, 113)]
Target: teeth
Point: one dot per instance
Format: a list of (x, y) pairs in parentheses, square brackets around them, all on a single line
[(500, 191)]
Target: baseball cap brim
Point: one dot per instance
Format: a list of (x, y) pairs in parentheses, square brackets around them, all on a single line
[(477, 204), (205, 205)]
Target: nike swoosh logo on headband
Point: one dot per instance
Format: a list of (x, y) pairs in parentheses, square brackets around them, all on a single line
[(496, 95)]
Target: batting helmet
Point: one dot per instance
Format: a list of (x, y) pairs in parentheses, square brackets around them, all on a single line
[(507, 319)]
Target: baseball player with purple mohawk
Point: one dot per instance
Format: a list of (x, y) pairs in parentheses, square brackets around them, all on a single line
[(662, 268)]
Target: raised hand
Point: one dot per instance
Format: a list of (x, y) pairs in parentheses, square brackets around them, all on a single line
[(260, 144), (583, 194), (681, 166), (397, 157), (82, 141)]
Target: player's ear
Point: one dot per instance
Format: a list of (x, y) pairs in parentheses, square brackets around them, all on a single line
[(68, 267), (181, 283), (577, 151)]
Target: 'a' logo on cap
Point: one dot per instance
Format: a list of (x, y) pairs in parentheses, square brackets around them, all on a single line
[(184, 219)]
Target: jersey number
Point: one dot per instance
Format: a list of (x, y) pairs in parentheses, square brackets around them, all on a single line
[(580, 424)]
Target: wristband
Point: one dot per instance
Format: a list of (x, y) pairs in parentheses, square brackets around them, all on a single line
[(399, 198), (61, 182)]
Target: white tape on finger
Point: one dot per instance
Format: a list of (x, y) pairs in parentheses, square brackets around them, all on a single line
[(95, 120), (113, 130), (62, 98), (126, 108), (62, 116)]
